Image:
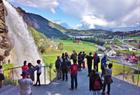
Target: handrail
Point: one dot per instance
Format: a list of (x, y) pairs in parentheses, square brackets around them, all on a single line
[(21, 67), (125, 74), (127, 65), (12, 74)]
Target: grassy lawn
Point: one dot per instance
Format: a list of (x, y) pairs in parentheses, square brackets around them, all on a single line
[(51, 54), (68, 46)]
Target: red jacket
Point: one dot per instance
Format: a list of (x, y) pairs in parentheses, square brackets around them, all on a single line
[(25, 68), (74, 69)]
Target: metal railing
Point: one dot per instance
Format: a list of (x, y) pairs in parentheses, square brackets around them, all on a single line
[(13, 74), (129, 74), (126, 73)]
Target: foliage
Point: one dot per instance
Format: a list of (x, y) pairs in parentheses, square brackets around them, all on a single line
[(5, 69), (60, 46), (58, 27), (7, 74), (127, 52), (41, 41), (117, 42)]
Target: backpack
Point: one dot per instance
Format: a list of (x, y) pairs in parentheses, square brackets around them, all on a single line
[(108, 79), (97, 85)]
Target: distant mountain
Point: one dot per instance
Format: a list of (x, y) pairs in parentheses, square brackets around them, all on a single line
[(120, 29), (65, 25), (127, 28), (50, 29), (53, 30)]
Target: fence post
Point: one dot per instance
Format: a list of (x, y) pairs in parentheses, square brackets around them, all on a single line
[(123, 71), (50, 67), (45, 74), (138, 77), (12, 74)]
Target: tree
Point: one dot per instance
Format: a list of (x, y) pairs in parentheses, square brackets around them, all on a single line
[(60, 46)]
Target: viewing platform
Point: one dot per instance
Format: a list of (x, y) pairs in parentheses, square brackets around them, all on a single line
[(60, 87)]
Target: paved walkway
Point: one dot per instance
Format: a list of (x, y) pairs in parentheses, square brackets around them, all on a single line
[(62, 88)]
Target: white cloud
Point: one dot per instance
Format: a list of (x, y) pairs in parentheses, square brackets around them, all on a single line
[(93, 12), (44, 4), (106, 12), (133, 17), (92, 20)]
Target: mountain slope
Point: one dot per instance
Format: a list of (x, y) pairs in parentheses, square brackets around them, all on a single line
[(51, 30)]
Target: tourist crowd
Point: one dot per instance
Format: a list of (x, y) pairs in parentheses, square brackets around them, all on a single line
[(69, 64), (28, 79), (97, 81)]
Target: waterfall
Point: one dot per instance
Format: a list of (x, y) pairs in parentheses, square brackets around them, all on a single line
[(24, 47)]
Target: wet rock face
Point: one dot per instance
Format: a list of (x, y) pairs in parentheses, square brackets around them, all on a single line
[(5, 45)]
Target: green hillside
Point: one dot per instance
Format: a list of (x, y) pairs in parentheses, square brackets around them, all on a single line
[(50, 50), (56, 26)]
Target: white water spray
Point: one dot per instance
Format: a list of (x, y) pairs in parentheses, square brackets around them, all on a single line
[(24, 47)]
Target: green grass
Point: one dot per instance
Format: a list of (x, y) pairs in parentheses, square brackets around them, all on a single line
[(127, 52), (7, 74), (68, 46), (118, 69), (5, 69), (51, 54)]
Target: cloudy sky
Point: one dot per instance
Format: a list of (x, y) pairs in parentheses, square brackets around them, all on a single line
[(88, 13)]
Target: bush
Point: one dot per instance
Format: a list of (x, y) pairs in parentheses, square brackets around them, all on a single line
[(60, 46)]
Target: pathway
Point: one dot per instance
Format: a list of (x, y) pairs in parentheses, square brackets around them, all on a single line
[(62, 88)]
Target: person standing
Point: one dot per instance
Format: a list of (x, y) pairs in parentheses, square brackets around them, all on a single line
[(73, 73), (89, 62), (96, 61), (95, 83), (1, 76), (74, 56), (25, 67), (39, 71), (58, 67), (107, 79), (103, 65), (64, 68), (31, 71), (79, 60), (25, 84), (83, 59), (67, 58)]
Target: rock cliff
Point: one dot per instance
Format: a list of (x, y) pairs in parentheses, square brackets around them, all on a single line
[(5, 44)]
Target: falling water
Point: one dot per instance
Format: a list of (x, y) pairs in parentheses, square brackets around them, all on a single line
[(24, 47)]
